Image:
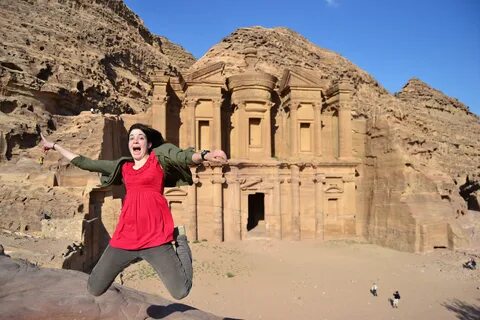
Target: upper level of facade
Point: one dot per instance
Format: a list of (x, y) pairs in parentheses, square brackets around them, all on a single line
[(255, 116)]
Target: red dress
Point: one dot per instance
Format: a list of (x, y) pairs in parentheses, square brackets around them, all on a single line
[(145, 220)]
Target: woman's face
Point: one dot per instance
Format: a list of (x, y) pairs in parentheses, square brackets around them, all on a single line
[(138, 145)]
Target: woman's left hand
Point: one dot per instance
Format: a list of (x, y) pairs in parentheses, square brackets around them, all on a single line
[(216, 156)]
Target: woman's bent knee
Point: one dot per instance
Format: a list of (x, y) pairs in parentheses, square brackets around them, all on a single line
[(181, 293), (95, 290)]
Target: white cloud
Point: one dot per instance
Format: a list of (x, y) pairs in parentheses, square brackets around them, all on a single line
[(332, 3)]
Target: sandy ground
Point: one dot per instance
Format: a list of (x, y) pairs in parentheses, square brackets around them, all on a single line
[(268, 279)]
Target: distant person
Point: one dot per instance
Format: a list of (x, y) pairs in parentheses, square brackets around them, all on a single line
[(374, 289), (396, 299), (470, 264), (145, 229)]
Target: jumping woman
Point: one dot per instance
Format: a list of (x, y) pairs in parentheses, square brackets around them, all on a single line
[(145, 228)]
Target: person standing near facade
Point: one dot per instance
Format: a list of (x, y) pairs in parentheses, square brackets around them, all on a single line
[(145, 228), (396, 299)]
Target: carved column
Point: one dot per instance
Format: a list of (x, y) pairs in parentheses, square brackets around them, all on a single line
[(237, 209), (345, 130), (216, 139), (277, 209), (318, 129), (159, 114), (294, 128), (159, 101), (318, 180), (232, 208), (295, 184), (242, 129), (350, 207), (217, 197), (268, 131), (191, 123)]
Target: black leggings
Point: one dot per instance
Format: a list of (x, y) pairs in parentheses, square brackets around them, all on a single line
[(173, 268)]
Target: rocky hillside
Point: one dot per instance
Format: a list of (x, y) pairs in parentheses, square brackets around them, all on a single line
[(445, 126), (72, 55), (280, 48), (63, 57)]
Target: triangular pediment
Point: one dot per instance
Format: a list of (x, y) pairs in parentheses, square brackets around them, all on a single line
[(210, 73), (300, 78)]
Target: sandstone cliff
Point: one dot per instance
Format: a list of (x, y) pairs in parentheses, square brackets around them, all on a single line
[(64, 57)]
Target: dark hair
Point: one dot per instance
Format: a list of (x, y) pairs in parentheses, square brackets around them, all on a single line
[(153, 136)]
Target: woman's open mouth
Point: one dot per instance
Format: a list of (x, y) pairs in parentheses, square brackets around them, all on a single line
[(136, 149)]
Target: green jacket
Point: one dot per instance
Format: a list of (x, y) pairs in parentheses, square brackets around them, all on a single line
[(175, 163)]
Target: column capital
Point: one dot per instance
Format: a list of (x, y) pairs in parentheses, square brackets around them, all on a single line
[(217, 175), (190, 102), (318, 178), (294, 180), (219, 180), (217, 102), (161, 98), (294, 104)]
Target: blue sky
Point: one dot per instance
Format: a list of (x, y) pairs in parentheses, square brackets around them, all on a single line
[(437, 41)]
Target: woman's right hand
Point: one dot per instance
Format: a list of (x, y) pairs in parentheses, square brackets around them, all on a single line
[(216, 156), (47, 145)]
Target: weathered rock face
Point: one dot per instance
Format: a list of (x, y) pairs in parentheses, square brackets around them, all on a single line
[(69, 56), (444, 129), (43, 193), (29, 292)]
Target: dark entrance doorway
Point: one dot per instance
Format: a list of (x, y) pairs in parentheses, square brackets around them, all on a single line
[(256, 210)]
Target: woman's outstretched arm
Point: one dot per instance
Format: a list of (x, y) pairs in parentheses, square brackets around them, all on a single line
[(48, 145), (105, 167), (215, 156)]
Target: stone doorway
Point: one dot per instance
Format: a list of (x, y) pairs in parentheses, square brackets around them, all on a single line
[(256, 213)]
